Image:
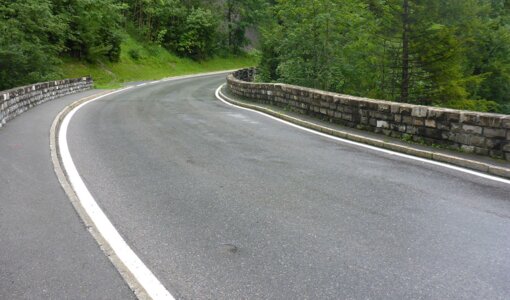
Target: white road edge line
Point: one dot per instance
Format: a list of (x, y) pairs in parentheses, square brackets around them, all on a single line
[(219, 95), (133, 263), (122, 252)]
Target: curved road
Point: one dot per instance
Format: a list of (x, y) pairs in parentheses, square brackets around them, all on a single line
[(222, 203)]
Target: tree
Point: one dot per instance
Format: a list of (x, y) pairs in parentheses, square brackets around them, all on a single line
[(30, 40), (92, 28), (198, 39), (320, 44)]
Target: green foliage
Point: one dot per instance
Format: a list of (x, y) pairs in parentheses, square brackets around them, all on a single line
[(435, 52), (153, 62), (315, 43), (93, 28), (35, 35), (30, 41), (446, 53), (474, 105), (238, 16), (198, 38)]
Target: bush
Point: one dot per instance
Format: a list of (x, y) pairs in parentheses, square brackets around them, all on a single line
[(134, 54), (474, 105)]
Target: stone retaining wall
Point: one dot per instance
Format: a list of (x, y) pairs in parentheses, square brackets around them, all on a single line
[(481, 133), (18, 100)]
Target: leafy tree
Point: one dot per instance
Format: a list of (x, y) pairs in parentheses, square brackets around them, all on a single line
[(317, 42), (30, 40), (92, 28), (198, 39)]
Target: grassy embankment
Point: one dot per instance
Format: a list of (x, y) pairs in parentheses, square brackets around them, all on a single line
[(140, 62)]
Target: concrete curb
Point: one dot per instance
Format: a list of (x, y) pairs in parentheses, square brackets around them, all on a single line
[(68, 189), (440, 157)]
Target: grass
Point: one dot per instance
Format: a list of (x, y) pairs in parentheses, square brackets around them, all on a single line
[(140, 62)]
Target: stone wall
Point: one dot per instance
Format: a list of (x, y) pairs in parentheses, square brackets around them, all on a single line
[(18, 100), (481, 133)]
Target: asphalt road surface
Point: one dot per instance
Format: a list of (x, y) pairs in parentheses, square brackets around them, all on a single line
[(222, 203), (45, 250)]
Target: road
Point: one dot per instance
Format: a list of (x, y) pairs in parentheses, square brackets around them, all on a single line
[(222, 203), (45, 251)]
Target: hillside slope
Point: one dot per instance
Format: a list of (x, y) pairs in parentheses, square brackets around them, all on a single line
[(140, 62)]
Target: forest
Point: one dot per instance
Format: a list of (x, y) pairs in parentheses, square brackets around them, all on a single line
[(450, 53)]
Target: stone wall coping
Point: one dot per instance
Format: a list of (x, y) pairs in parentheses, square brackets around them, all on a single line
[(370, 100), (39, 85)]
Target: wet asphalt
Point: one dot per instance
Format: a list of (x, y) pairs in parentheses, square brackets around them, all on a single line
[(222, 203), (45, 250)]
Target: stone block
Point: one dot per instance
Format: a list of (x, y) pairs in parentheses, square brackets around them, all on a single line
[(493, 143), (433, 133), (363, 113), (453, 116), (497, 153), (398, 127), (411, 130), (347, 117), (470, 118), (469, 149), (436, 113), (487, 120), (382, 124), (469, 139), (419, 111), (506, 147), (382, 116), (395, 108), (384, 108), (456, 127), (495, 132), (418, 122), (405, 110), (443, 125), (430, 123), (505, 122), (481, 151), (472, 129)]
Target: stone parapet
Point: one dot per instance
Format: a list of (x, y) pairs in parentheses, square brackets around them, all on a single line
[(18, 100), (481, 133)]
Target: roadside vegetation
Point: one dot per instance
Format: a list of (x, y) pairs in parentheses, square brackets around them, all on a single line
[(117, 41), (452, 53), (449, 53), (139, 62)]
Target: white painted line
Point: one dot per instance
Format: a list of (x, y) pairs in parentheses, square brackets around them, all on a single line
[(460, 169), (133, 263)]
